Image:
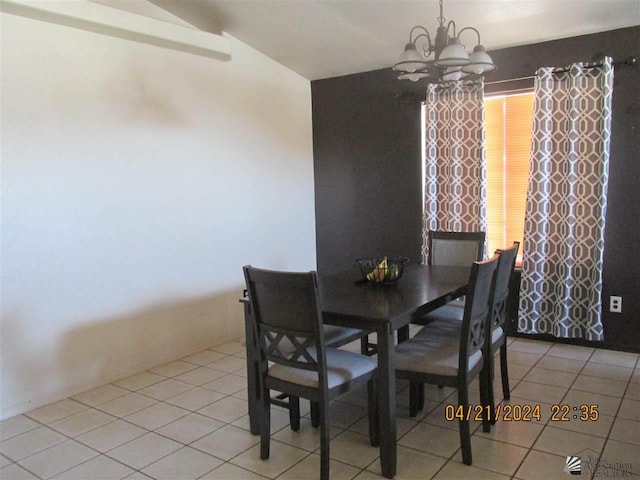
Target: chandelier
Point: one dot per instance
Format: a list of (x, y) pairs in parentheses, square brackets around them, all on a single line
[(451, 61)]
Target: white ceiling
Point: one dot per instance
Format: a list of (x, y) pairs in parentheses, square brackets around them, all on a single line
[(328, 38)]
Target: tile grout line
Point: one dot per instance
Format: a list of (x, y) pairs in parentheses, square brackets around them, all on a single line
[(531, 449), (17, 462), (189, 411), (615, 417), (116, 418)]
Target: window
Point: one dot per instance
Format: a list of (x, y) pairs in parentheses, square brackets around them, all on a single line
[(508, 122)]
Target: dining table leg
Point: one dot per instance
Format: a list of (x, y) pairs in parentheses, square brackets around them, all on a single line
[(387, 400)]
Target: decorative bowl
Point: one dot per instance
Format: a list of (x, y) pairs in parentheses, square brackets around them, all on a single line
[(382, 270)]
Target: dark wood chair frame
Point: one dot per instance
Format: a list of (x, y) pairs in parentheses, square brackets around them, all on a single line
[(281, 399), (473, 334), (478, 237), (505, 270), (291, 304)]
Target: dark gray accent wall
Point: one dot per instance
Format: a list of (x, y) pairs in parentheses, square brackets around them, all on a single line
[(367, 165)]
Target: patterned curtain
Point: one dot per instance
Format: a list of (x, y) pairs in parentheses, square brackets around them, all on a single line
[(566, 202), (455, 169)]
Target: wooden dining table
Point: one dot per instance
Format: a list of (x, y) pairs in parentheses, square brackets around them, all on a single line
[(349, 301)]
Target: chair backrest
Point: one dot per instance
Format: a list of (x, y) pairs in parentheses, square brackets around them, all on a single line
[(506, 265), (476, 312), (287, 319), (455, 248)]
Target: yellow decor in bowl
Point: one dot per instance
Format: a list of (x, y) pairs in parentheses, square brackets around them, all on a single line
[(382, 270)]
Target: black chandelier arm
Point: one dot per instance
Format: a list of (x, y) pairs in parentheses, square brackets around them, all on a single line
[(423, 33), (470, 28), (451, 22), (428, 47)]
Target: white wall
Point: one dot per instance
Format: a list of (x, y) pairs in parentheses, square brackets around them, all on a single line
[(136, 182)]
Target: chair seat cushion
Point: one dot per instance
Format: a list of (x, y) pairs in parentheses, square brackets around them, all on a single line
[(453, 311), (342, 367), (449, 327), (496, 334), (439, 328), (434, 352)]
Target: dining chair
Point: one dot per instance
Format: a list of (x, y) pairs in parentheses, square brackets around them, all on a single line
[(334, 336), (293, 357), (451, 318), (497, 339), (446, 356), (454, 248)]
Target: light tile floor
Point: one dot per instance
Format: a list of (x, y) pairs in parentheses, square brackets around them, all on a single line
[(187, 420)]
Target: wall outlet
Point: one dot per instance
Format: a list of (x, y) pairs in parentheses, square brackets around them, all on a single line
[(615, 304)]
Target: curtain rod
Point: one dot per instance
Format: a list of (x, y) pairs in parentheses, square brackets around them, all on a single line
[(629, 61), (515, 91), (510, 80)]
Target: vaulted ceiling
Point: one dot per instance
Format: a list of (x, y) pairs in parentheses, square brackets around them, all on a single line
[(327, 38)]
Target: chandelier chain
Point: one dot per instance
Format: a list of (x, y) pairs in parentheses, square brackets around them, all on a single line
[(441, 18)]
